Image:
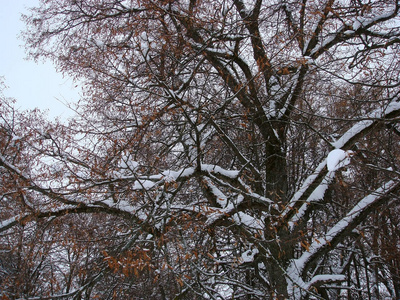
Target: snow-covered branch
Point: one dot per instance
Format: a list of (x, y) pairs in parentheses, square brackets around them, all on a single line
[(297, 270)]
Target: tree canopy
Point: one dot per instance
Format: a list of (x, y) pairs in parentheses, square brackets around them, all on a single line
[(203, 161)]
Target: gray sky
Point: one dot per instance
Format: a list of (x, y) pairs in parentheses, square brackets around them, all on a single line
[(32, 85)]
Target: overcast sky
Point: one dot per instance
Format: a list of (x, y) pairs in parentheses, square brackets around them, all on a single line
[(32, 85)]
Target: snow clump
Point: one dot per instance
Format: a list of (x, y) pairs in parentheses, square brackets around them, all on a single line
[(338, 158)]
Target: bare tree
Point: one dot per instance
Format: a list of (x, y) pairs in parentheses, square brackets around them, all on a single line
[(200, 164)]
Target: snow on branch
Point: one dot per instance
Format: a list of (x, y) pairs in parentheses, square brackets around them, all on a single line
[(233, 174), (306, 184), (7, 224), (336, 159), (358, 25), (149, 182), (230, 208), (391, 110), (4, 163), (316, 196), (64, 210), (298, 267)]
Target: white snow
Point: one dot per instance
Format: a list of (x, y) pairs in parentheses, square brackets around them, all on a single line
[(128, 163), (316, 195), (242, 218), (218, 170), (358, 22), (6, 223), (349, 32), (248, 256), (171, 176), (216, 214), (143, 184), (16, 138), (363, 124), (297, 266), (353, 131), (310, 179), (338, 158), (360, 207)]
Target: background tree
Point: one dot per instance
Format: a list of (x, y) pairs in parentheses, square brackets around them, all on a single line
[(197, 164)]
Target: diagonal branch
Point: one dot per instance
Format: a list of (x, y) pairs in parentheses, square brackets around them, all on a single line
[(338, 232)]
